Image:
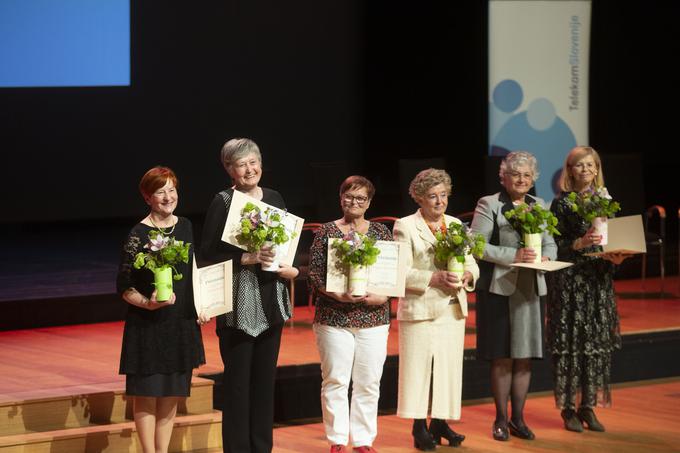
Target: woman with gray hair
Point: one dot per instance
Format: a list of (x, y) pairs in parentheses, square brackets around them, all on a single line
[(250, 335), (510, 306), (431, 317)]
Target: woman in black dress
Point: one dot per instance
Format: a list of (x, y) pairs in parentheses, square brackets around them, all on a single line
[(583, 323), (250, 335), (161, 340)]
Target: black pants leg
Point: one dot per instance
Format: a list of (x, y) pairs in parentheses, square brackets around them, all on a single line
[(248, 389)]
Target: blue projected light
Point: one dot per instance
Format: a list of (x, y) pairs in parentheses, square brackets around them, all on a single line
[(46, 43)]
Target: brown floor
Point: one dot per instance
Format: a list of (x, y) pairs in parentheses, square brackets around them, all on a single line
[(643, 418), (44, 361)]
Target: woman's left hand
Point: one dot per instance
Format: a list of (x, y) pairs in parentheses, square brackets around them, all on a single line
[(202, 319), (467, 279), (375, 299), (616, 258), (287, 271)]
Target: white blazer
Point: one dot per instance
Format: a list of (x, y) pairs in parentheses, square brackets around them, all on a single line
[(423, 301)]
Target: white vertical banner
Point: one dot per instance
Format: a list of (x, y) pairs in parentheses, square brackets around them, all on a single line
[(538, 81)]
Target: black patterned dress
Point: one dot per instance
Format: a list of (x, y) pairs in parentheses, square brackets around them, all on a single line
[(583, 322), (329, 311), (160, 347)]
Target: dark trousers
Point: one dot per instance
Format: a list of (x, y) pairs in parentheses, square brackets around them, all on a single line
[(248, 389)]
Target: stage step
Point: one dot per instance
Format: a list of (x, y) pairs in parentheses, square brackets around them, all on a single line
[(82, 406), (192, 433)]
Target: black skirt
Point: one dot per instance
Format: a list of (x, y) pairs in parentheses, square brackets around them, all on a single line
[(158, 385)]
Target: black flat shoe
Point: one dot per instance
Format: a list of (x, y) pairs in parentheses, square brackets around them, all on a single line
[(523, 431), (439, 428), (499, 432)]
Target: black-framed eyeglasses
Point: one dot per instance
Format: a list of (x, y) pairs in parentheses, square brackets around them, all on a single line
[(360, 199)]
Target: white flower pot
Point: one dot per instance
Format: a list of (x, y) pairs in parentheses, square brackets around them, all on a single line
[(358, 280), (274, 266), (455, 266), (601, 228), (533, 241)]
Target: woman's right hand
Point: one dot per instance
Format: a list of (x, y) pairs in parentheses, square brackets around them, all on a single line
[(265, 256), (589, 239), (525, 255), (445, 280), (155, 304)]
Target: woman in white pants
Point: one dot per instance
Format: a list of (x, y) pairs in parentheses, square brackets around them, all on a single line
[(431, 317), (351, 331)]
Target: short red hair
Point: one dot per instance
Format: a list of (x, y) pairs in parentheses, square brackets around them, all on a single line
[(156, 178)]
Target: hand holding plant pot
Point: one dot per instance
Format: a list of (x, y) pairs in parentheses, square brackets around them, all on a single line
[(453, 243), (164, 253), (356, 252), (263, 232), (531, 221), (595, 206)]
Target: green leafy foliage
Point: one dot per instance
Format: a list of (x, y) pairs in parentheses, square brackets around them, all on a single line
[(356, 249), (458, 240), (163, 251), (257, 227), (531, 219), (593, 203)]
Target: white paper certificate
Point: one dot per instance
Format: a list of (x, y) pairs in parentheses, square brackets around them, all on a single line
[(386, 277), (232, 227), (547, 266), (212, 288)]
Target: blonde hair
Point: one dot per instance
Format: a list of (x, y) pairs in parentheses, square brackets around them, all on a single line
[(577, 153)]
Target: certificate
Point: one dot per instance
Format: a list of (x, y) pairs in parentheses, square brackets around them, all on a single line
[(386, 277), (626, 235), (547, 266), (212, 288), (232, 227)]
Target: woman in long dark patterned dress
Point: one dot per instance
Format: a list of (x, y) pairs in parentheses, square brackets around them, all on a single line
[(351, 331), (161, 340), (250, 335), (583, 323)]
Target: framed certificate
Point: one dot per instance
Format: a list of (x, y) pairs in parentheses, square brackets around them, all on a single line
[(212, 288), (232, 227), (386, 277), (626, 235)]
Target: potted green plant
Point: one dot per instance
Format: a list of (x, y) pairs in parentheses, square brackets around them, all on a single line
[(356, 253), (595, 206), (162, 255), (263, 229), (453, 243), (532, 220)]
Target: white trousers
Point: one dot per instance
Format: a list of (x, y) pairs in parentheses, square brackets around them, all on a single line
[(356, 354), (431, 351)]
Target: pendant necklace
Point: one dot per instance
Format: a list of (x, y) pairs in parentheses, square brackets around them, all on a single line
[(162, 230)]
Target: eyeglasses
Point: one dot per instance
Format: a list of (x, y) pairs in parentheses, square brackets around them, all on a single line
[(360, 199), (517, 175)]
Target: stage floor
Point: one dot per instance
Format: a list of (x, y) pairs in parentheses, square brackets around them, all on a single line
[(643, 418), (55, 360)]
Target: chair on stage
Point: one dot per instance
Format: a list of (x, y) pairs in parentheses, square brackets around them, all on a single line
[(655, 239), (386, 220), (302, 263)]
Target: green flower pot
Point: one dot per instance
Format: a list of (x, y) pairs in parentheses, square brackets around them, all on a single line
[(162, 278)]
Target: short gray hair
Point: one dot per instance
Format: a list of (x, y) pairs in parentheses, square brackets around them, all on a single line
[(427, 179), (516, 159), (237, 148)]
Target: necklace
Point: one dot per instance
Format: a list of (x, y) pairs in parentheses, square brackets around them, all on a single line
[(441, 227), (162, 230)]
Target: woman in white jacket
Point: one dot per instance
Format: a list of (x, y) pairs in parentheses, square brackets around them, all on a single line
[(431, 317)]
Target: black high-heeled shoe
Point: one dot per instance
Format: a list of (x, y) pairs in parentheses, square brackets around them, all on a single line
[(439, 428), (587, 416), (422, 440)]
